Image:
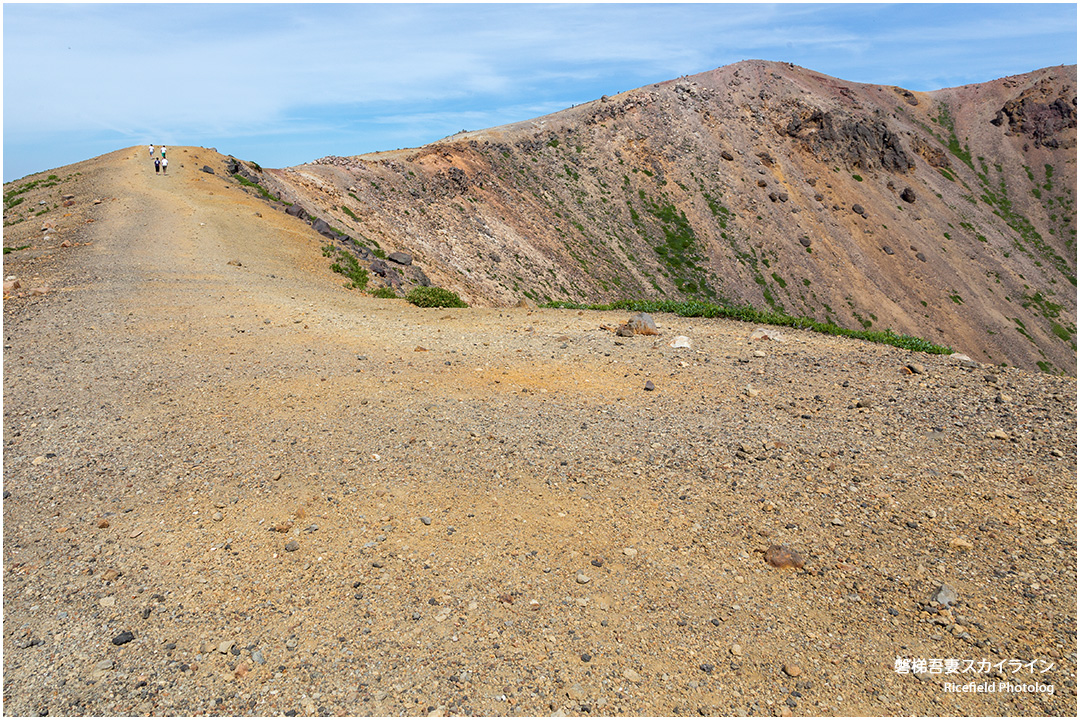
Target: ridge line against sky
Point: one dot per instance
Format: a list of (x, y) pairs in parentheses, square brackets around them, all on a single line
[(284, 84)]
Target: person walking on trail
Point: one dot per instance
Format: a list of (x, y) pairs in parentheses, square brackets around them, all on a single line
[(151, 151), (157, 165), (162, 151), (164, 165)]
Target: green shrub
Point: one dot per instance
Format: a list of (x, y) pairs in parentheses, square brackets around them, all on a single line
[(385, 292), (348, 266), (696, 308), (435, 297)]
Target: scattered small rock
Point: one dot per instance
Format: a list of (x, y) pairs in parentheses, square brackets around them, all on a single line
[(292, 546), (962, 544), (643, 324), (766, 334), (781, 556), (792, 670), (123, 638), (944, 596), (649, 387)]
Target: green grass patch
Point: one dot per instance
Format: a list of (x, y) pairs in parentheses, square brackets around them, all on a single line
[(347, 265), (697, 308), (256, 186), (15, 249), (386, 292), (431, 297)]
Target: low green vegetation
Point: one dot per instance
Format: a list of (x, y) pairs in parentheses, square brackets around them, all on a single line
[(385, 292), (696, 308), (14, 249), (256, 186), (431, 297), (11, 197), (347, 265)]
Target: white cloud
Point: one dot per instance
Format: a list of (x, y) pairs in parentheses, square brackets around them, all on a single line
[(198, 72)]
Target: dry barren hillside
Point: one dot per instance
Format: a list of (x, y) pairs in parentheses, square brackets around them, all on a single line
[(233, 486), (948, 215)]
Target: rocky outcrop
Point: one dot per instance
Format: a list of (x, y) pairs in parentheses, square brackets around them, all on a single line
[(866, 143), (1040, 113)]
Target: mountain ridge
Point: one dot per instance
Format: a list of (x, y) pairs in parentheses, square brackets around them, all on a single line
[(947, 215), (633, 195)]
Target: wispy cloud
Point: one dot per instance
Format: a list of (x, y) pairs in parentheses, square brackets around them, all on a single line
[(361, 74)]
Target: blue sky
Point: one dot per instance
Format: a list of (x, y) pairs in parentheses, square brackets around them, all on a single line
[(282, 84)]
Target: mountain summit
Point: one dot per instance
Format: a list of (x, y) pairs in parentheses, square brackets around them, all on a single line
[(948, 215)]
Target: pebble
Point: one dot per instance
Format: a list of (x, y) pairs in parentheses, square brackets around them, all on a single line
[(629, 552), (218, 517), (792, 670), (257, 657), (292, 546), (781, 556), (104, 665), (123, 638), (631, 675), (582, 578), (225, 646), (426, 520), (736, 650), (944, 596), (649, 385), (961, 544)]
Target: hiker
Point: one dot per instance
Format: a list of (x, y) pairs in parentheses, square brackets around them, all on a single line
[(164, 165), (162, 151), (151, 151), (157, 165)]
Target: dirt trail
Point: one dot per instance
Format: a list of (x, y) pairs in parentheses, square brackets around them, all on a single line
[(298, 498)]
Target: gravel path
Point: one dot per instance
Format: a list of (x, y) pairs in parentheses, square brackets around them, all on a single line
[(233, 487)]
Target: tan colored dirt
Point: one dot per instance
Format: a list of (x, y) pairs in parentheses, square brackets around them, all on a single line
[(296, 497)]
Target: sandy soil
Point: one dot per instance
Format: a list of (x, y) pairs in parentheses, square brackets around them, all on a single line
[(234, 487)]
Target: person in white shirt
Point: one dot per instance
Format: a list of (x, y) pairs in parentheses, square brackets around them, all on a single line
[(165, 165), (151, 151), (162, 151)]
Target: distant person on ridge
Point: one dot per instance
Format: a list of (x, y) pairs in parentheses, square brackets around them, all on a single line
[(164, 165), (163, 151), (157, 165), (151, 151)]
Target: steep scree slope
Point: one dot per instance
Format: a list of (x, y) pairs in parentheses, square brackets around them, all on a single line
[(948, 215)]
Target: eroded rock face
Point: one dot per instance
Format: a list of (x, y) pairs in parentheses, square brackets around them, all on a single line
[(862, 143), (1040, 113)]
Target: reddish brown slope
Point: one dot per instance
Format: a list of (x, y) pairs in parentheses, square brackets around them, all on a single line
[(759, 183)]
